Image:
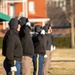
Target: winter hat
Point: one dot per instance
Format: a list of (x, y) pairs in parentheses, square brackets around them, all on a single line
[(22, 20), (38, 28), (32, 24), (46, 27), (27, 20), (13, 23)]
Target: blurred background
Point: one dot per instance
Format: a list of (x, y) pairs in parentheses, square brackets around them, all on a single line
[(60, 14)]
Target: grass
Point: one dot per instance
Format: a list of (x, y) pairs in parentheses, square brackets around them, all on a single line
[(1, 40), (62, 68), (63, 54), (2, 71), (63, 62), (58, 65)]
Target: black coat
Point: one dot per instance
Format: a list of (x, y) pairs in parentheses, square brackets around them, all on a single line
[(49, 41), (26, 40), (40, 42), (12, 48)]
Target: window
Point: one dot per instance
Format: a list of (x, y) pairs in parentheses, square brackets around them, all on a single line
[(32, 7), (12, 9)]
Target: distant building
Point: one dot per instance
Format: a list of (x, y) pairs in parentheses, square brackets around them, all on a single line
[(35, 10), (57, 3)]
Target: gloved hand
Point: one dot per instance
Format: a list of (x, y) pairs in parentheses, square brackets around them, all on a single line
[(52, 48), (28, 24), (13, 68), (45, 56), (43, 32)]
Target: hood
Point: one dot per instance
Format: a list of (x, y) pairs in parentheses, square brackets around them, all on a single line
[(38, 28), (23, 20), (46, 27), (13, 23)]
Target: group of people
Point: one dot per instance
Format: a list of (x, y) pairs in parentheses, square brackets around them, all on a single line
[(21, 48)]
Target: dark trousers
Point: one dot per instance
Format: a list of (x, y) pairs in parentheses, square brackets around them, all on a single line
[(7, 67), (38, 64)]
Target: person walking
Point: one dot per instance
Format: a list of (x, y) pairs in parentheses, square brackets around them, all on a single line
[(12, 49), (39, 40), (27, 45)]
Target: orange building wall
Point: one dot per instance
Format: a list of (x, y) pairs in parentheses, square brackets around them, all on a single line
[(38, 23), (40, 9), (18, 8), (8, 9), (1, 25)]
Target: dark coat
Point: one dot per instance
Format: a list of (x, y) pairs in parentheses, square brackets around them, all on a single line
[(49, 41), (26, 40), (40, 42), (12, 48)]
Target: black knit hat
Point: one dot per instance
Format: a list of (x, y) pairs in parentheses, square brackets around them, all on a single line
[(38, 28), (23, 21), (46, 27), (13, 23)]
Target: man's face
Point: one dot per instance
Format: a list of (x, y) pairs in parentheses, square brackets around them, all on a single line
[(49, 30), (19, 26)]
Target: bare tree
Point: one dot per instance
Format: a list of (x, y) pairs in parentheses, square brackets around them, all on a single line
[(56, 15), (61, 18), (70, 16)]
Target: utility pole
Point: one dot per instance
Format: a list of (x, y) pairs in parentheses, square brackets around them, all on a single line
[(72, 25)]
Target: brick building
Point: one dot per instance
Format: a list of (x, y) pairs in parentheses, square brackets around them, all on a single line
[(35, 10)]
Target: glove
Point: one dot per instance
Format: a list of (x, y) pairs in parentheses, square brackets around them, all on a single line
[(52, 47), (45, 56), (13, 68), (43, 32), (28, 24)]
